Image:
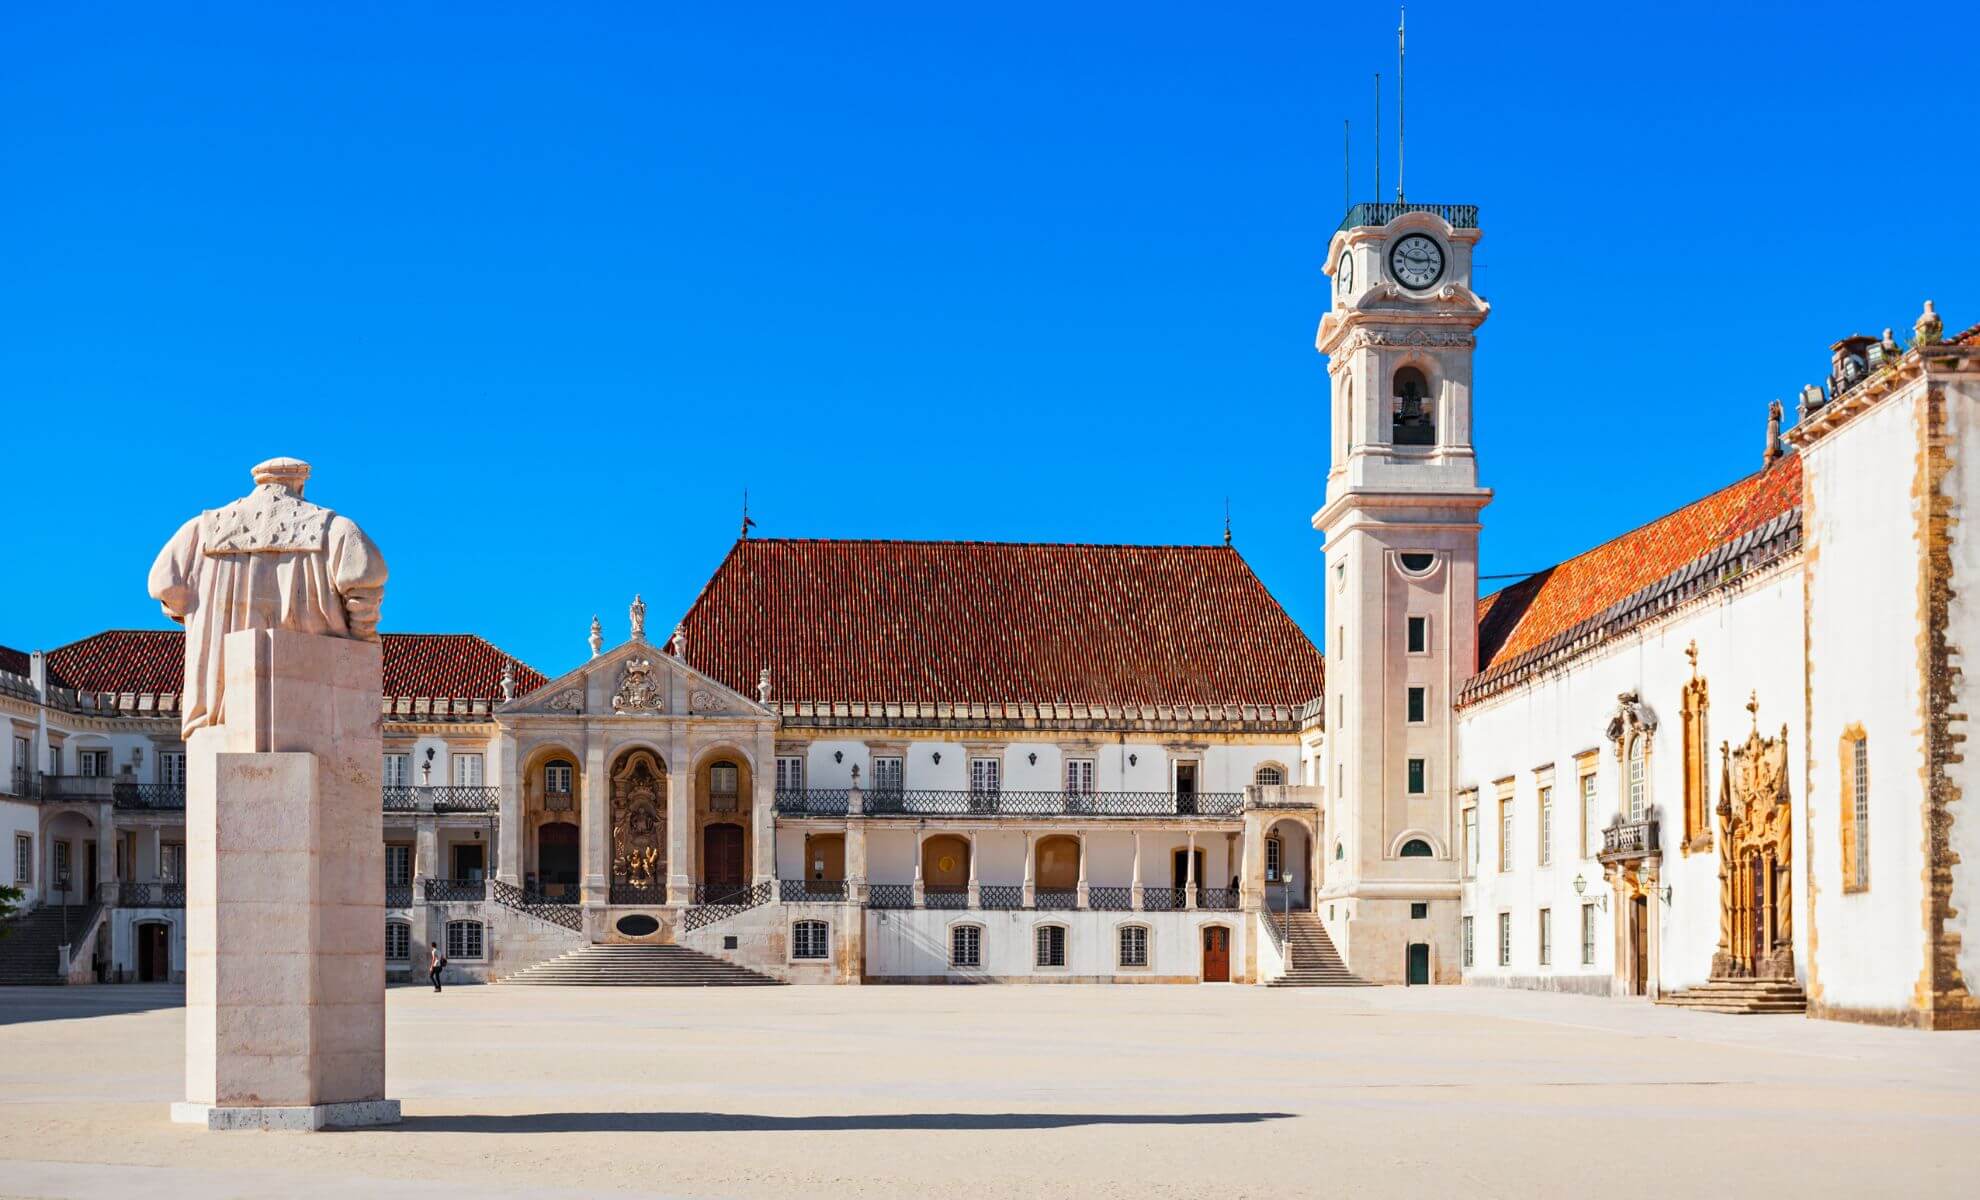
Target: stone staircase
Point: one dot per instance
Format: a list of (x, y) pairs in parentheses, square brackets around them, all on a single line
[(1745, 996), (31, 951), (1311, 960), (638, 966)]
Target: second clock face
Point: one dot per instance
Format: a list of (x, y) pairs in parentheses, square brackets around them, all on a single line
[(1344, 274), (1416, 260)]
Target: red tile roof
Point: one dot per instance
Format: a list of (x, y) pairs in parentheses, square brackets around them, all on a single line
[(1533, 611), (458, 665), (14, 662), (994, 622)]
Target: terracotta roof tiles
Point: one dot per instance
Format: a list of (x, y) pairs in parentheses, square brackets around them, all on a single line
[(458, 665)]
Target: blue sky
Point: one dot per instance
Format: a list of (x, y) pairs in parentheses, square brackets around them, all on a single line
[(540, 289)]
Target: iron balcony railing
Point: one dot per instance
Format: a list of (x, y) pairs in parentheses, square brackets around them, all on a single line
[(555, 910), (120, 790), (155, 893), (1626, 840), (799, 891), (1108, 898), (945, 896), (890, 895), (451, 798), (1457, 216), (1220, 899), (1043, 899), (732, 901), (1000, 896), (398, 895), (923, 802), (450, 891), (1161, 899), (626, 893)]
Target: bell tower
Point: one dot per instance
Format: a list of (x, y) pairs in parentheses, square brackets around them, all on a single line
[(1401, 523)]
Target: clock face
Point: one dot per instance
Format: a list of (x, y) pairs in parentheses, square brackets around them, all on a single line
[(1344, 274), (1417, 261)]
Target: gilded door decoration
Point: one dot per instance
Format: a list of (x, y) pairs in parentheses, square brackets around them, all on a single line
[(639, 822), (1756, 833), (638, 690)]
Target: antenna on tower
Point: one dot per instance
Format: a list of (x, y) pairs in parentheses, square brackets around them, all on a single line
[(1378, 137), (1402, 82), (747, 524), (1347, 168), (1227, 520)]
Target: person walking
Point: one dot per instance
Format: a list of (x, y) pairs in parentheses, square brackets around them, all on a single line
[(435, 961)]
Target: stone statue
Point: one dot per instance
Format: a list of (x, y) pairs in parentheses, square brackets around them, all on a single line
[(763, 686), (270, 560), (638, 613), (680, 642), (1929, 327), (508, 679)]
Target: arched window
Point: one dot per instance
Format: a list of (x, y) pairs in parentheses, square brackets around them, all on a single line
[(1638, 779), (1270, 775), (398, 941), (1417, 848), (966, 946), (1413, 421), (811, 939), (1275, 858), (1133, 941), (464, 941), (724, 781), (1051, 946)]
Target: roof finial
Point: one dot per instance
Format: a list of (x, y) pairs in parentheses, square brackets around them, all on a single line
[(1773, 450), (1928, 327), (747, 523), (638, 614), (1227, 520), (508, 679), (597, 636)]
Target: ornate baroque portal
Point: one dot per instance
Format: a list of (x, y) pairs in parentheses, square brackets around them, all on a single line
[(639, 823), (1756, 832)]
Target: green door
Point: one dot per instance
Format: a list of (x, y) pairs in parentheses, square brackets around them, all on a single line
[(1419, 963)]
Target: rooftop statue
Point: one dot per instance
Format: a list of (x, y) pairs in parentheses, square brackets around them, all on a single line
[(270, 560)]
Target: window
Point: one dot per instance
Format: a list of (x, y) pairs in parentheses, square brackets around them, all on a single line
[(172, 862), (1134, 945), (395, 770), (1419, 910), (1418, 705), (724, 785), (1051, 945), (966, 946), (1270, 776), (810, 939), (888, 773), (464, 940), (1467, 941), (467, 770), (1419, 635), (1471, 841), (61, 864), (557, 778), (398, 941), (23, 859), (1856, 810), (1417, 848), (1638, 780), (986, 775), (1547, 826), (1697, 765), (92, 764), (21, 756), (790, 774), (1412, 421), (1416, 777), (172, 768), (1079, 775), (1546, 937), (1275, 851), (1417, 563), (1588, 935), (1591, 820), (398, 864), (1505, 939), (1505, 833), (54, 760)]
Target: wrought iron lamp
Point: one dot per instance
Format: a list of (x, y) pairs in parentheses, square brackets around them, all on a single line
[(1581, 886)]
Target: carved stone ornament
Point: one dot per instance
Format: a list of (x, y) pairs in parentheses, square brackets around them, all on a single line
[(639, 822), (571, 699), (763, 686), (707, 700), (1419, 336), (1631, 716), (638, 691), (1756, 832)]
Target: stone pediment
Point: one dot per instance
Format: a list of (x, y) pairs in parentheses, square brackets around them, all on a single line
[(633, 680)]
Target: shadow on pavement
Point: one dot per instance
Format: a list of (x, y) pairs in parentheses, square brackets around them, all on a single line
[(709, 1122), (23, 1004)]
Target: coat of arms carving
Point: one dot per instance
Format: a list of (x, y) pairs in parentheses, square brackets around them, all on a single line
[(638, 690)]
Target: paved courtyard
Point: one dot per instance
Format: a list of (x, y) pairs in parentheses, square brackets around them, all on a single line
[(1015, 1091)]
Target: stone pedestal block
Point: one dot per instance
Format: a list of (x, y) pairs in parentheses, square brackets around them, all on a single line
[(285, 913)]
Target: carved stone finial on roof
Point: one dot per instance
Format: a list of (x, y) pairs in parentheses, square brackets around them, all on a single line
[(680, 642), (1929, 326), (1773, 450), (638, 614), (508, 679), (763, 686), (597, 636)]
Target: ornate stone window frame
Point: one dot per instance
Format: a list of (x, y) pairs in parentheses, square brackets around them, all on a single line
[(1633, 732), (1854, 825), (824, 954), (1696, 747)]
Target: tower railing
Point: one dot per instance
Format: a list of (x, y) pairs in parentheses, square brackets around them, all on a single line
[(1457, 216)]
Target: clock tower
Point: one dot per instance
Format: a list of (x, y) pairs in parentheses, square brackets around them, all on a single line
[(1401, 523)]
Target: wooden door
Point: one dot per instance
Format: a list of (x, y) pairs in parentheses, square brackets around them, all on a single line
[(1419, 963), (1639, 945), (557, 858), (154, 953), (1216, 954), (722, 858), (470, 861)]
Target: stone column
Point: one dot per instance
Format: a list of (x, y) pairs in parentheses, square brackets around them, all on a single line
[(285, 904), (1189, 873), (106, 855), (1134, 890), (1251, 879), (680, 826), (975, 886), (425, 866), (156, 840), (1080, 891), (1030, 871), (920, 890), (509, 824), (856, 862), (763, 816), (595, 836)]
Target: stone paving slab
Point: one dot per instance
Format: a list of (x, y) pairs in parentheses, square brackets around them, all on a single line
[(1019, 1091)]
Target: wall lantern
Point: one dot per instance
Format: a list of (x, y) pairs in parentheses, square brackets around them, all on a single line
[(938, 756), (1033, 756), (1133, 759), (1581, 885), (838, 756)]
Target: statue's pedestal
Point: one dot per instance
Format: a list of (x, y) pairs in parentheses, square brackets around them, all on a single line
[(285, 894)]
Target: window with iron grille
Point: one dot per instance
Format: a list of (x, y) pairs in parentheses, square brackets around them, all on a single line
[(395, 770), (398, 941), (1546, 937), (889, 773), (1051, 945), (810, 939), (467, 770), (1467, 941), (23, 859), (1079, 775), (790, 773), (557, 778), (1505, 939), (464, 940), (1270, 776), (1859, 786), (1134, 945), (1588, 935), (398, 864), (966, 946), (986, 775)]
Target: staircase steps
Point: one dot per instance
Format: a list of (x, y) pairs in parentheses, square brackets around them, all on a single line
[(30, 953), (638, 966), (1742, 996), (1311, 960)]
